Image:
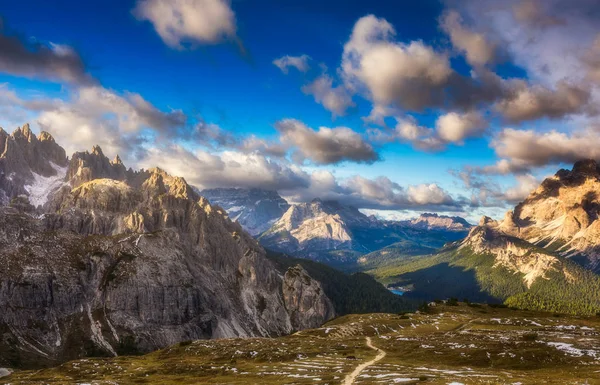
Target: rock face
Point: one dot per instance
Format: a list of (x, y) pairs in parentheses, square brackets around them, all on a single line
[(29, 165), (562, 214), (124, 261), (305, 299), (510, 252), (255, 209)]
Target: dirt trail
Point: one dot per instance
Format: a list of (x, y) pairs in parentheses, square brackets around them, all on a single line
[(349, 380)]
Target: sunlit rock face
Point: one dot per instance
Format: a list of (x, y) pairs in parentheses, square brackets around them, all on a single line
[(562, 214)]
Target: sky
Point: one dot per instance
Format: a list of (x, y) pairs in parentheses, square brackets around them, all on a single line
[(456, 107)]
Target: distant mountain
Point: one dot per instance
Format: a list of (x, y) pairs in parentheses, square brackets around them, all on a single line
[(429, 221), (339, 235), (316, 229), (255, 209)]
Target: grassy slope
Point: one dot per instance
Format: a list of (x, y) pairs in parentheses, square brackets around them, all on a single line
[(448, 344), (463, 274)]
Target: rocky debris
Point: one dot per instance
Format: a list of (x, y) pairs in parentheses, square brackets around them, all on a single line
[(562, 214), (305, 300), (255, 209)]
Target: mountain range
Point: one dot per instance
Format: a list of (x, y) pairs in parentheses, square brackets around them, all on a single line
[(329, 231), (99, 259)]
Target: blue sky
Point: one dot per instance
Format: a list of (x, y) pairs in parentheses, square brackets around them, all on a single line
[(214, 86)]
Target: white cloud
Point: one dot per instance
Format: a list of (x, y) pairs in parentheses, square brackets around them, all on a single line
[(327, 145), (378, 193), (298, 62), (452, 127), (410, 75), (335, 99), (525, 185), (533, 102), (189, 21), (477, 49), (455, 127), (228, 169), (526, 149), (96, 115)]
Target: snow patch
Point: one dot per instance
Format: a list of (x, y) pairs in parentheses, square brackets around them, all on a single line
[(42, 186)]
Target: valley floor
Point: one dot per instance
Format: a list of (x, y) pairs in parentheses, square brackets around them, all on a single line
[(447, 345)]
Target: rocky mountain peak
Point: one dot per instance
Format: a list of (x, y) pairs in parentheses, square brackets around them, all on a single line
[(510, 252), (87, 166), (96, 150), (254, 209), (586, 167), (45, 136), (562, 213), (117, 160), (25, 133), (485, 220)]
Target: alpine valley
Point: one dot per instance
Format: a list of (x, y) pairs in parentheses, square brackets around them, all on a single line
[(100, 260)]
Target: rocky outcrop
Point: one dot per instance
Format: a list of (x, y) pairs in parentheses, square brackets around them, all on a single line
[(255, 209), (510, 252), (562, 214), (305, 299)]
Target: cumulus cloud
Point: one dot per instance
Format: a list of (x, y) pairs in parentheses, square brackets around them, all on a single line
[(96, 115), (378, 193), (334, 99), (179, 22), (477, 49), (414, 76), (451, 127), (36, 60), (411, 76), (525, 185), (228, 169), (534, 102), (327, 145), (236, 169), (454, 127), (298, 62), (526, 149)]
